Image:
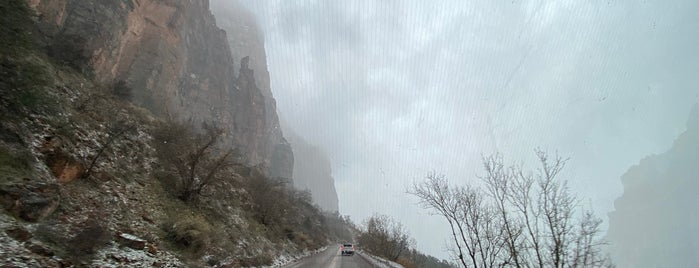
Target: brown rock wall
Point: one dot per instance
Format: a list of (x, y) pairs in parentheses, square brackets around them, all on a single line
[(178, 63)]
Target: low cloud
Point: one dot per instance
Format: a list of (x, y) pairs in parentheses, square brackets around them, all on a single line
[(394, 89)]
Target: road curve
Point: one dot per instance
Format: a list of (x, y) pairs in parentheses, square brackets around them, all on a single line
[(331, 258)]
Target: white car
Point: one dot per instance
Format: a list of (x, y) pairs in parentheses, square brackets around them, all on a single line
[(347, 249)]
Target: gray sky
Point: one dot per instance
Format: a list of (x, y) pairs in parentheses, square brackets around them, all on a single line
[(394, 89)]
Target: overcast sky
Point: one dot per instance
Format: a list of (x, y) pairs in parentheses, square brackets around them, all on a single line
[(392, 90)]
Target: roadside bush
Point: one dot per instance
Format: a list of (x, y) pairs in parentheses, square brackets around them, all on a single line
[(385, 237), (192, 232), (284, 212), (406, 263)]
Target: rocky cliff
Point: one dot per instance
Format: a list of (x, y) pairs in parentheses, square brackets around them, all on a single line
[(246, 40), (313, 172), (179, 64), (92, 179), (654, 222), (310, 166)]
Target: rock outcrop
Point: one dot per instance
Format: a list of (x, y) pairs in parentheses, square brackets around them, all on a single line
[(177, 62), (82, 168), (30, 200), (307, 165), (313, 172), (282, 161), (246, 42), (654, 222)]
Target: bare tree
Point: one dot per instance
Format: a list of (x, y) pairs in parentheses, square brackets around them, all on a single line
[(498, 180), (475, 228), (194, 159), (522, 219), (385, 237), (270, 197), (114, 133)]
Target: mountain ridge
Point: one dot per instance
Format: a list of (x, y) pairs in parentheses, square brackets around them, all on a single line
[(652, 222)]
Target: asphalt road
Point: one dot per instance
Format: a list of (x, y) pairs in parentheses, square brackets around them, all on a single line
[(331, 258)]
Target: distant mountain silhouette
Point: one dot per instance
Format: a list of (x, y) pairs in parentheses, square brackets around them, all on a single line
[(655, 221)]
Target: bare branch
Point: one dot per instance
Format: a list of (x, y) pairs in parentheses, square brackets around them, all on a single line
[(521, 219)]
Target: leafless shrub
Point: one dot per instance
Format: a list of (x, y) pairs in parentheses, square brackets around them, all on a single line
[(195, 160), (270, 199), (385, 237), (116, 131), (284, 212), (189, 232)]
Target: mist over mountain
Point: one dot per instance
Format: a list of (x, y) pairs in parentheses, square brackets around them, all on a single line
[(311, 167), (312, 171), (161, 119), (654, 222), (392, 90)]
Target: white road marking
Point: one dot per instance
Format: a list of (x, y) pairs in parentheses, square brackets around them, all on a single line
[(333, 264)]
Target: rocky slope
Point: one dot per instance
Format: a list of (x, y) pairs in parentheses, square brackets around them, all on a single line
[(654, 222), (179, 64), (89, 178)]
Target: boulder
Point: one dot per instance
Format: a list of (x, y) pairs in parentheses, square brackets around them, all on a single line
[(63, 166), (131, 241), (151, 248), (19, 233), (30, 200), (40, 250)]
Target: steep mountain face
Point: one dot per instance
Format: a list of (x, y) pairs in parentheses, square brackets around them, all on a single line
[(313, 172), (246, 40), (178, 64), (90, 179), (654, 224), (310, 166)]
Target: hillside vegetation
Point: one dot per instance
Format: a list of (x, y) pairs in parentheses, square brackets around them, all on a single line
[(89, 179)]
